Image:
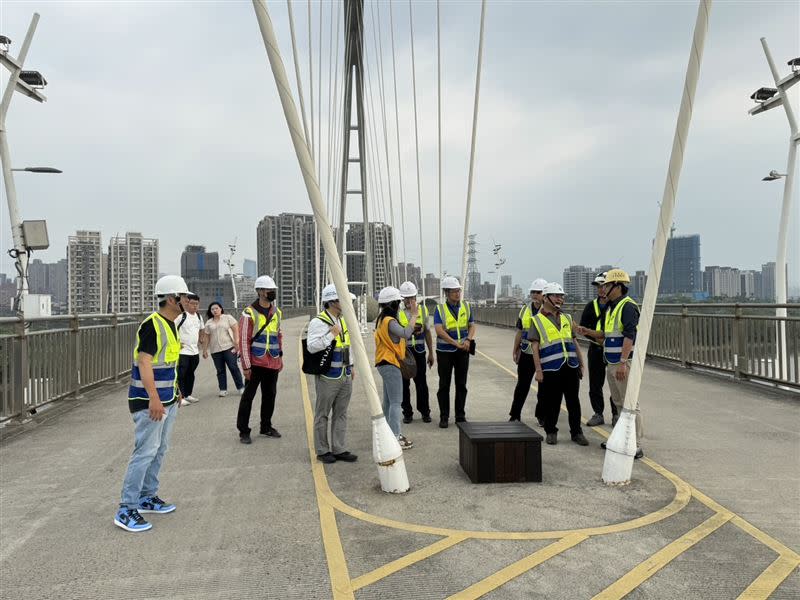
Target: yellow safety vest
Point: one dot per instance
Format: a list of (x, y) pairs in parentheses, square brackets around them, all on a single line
[(417, 341), (612, 328), (268, 338), (526, 317), (556, 346), (458, 329), (341, 351), (165, 360)]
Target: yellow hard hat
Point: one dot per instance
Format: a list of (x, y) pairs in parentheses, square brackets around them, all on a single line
[(617, 276)]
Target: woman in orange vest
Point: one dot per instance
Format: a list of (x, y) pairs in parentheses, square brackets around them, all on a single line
[(390, 349)]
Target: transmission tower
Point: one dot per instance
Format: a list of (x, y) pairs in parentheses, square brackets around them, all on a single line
[(354, 89), (473, 282)]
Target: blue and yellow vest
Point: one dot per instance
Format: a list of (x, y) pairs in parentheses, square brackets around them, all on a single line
[(340, 362), (556, 346), (612, 328), (268, 339), (526, 318), (458, 329), (165, 362), (599, 325), (417, 341)]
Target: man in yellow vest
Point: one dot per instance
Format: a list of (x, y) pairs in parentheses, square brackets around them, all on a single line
[(523, 352), (620, 323), (153, 401), (261, 344), (455, 335), (417, 343), (334, 388), (591, 320), (559, 364)]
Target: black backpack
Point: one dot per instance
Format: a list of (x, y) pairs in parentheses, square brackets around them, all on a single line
[(317, 363)]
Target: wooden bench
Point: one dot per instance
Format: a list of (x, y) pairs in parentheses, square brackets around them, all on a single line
[(500, 452)]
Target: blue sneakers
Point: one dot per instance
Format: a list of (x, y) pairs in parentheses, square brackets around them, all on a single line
[(130, 520), (154, 504)]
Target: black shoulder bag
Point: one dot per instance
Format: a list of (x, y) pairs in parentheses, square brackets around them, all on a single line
[(317, 363)]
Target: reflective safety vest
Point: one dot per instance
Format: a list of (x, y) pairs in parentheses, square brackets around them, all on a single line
[(458, 329), (599, 325), (556, 346), (340, 362), (417, 341), (268, 338), (165, 361), (612, 328), (526, 317)]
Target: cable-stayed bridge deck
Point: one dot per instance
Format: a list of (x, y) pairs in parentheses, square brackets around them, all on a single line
[(711, 512)]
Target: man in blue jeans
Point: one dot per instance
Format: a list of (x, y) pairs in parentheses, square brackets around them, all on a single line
[(153, 400)]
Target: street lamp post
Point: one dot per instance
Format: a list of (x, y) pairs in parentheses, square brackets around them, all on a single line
[(28, 83), (768, 98)]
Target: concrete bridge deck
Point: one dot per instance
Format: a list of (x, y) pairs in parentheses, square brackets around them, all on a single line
[(713, 511)]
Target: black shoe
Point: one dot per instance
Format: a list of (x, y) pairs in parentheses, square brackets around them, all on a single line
[(513, 419), (541, 422), (597, 419), (461, 419), (426, 418), (580, 439), (327, 458), (407, 420), (552, 438), (639, 454), (603, 445), (346, 456), (443, 423), (271, 432), (245, 439)]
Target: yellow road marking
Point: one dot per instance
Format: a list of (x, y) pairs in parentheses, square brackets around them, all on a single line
[(770, 579), (337, 564), (405, 561), (643, 571), (516, 569)]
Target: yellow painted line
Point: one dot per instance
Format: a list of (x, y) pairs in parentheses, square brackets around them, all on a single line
[(334, 553), (534, 387), (770, 579), (503, 576), (643, 571), (405, 561)]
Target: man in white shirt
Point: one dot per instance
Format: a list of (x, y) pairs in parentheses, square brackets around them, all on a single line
[(190, 331), (335, 387)]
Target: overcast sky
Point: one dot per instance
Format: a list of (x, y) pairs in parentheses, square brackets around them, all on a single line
[(165, 119)]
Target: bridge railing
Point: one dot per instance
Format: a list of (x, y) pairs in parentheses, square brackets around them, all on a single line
[(747, 341), (50, 358)]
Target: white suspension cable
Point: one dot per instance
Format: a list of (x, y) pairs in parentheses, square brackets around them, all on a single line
[(311, 81), (319, 98), (416, 145), (472, 149), (330, 110), (297, 69), (397, 136), (439, 127)]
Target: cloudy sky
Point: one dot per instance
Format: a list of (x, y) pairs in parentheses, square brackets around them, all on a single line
[(165, 119)]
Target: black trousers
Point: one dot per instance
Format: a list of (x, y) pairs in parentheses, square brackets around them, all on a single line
[(563, 383), (525, 371), (268, 380), (187, 365), (421, 384), (457, 361), (597, 378)]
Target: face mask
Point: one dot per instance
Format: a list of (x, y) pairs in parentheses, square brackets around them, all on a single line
[(271, 296)]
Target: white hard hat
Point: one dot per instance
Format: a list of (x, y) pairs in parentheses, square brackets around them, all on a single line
[(171, 285), (408, 290), (553, 288), (537, 285), (265, 282), (451, 283), (600, 279), (329, 293), (389, 294)]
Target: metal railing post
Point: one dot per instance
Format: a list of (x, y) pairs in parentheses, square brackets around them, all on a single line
[(739, 350), (20, 371), (75, 343), (115, 360), (684, 335)]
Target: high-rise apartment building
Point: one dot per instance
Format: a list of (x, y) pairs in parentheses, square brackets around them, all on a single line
[(638, 283), (196, 263), (432, 283), (578, 283), (250, 268), (722, 282), (682, 273), (84, 273), (505, 285), (750, 283), (285, 248), (132, 273), (49, 278), (768, 282), (410, 272)]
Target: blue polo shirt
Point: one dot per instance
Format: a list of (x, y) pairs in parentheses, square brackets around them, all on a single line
[(441, 345)]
